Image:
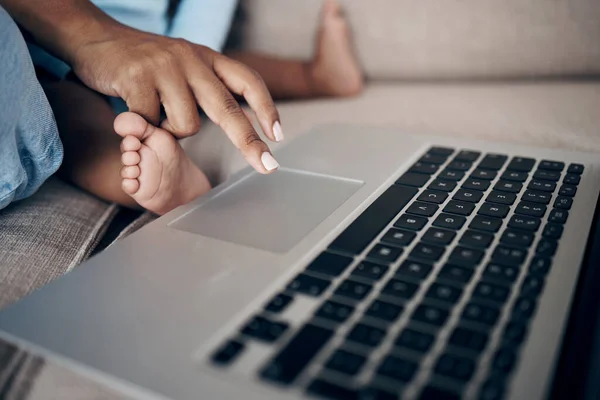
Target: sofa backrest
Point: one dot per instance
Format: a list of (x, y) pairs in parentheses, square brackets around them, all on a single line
[(437, 39)]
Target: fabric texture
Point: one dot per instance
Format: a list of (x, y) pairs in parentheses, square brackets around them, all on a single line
[(30, 148), (440, 39)]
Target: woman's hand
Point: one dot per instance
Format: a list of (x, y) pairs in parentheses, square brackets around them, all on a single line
[(148, 70)]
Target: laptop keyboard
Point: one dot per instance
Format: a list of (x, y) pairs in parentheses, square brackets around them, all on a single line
[(430, 291)]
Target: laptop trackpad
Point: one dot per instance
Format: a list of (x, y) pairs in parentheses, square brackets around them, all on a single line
[(272, 212)]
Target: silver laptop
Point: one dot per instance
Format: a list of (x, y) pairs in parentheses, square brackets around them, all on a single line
[(373, 265)]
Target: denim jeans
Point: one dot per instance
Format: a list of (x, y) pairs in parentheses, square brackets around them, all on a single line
[(30, 148)]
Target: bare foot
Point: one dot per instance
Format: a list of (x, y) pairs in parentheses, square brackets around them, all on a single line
[(157, 173), (335, 70)]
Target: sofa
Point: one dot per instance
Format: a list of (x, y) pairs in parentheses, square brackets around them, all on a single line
[(514, 71)]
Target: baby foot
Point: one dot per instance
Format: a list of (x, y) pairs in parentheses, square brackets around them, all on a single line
[(157, 173), (335, 70)]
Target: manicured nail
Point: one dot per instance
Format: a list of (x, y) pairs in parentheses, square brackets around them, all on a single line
[(277, 132), (269, 162)]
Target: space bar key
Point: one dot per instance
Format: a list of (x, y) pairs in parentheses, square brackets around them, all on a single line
[(371, 222)]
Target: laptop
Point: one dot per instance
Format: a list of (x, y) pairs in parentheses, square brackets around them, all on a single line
[(374, 264)]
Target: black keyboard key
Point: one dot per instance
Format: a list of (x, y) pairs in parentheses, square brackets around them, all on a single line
[(442, 151), (531, 209), (521, 164), (504, 360), (524, 222), (490, 292), (509, 256), (374, 393), (397, 369), (444, 293), (384, 253), (532, 285), (430, 315), (384, 311), (476, 184), (523, 309), (492, 389), (414, 340), (494, 210), (484, 174), (558, 216), (567, 190), (481, 314), (471, 196), (508, 186), (413, 179), (479, 240), (427, 252), (501, 273), (553, 231), (423, 209), (501, 197), (398, 237), (564, 203), (308, 285), (438, 236), (465, 256), (455, 273), (515, 176), (487, 224), (227, 353), (424, 168), (514, 333), (370, 271), (459, 207), (547, 175), (412, 222), (333, 391), (540, 266), (467, 155), (493, 161), (334, 311), (329, 264), (435, 393), (468, 338), (433, 196), (400, 289), (551, 165), (265, 330), (297, 354), (433, 158), (371, 222), (442, 185), (414, 269), (345, 362), (546, 247), (575, 169), (544, 186), (279, 303), (459, 165), (449, 221), (455, 367), (517, 238), (353, 290), (366, 335), (451, 175)]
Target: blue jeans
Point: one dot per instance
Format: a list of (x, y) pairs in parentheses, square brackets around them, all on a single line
[(30, 148)]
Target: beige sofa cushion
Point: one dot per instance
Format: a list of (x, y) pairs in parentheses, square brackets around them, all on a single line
[(425, 39)]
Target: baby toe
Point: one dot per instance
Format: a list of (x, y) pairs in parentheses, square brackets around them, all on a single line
[(130, 158), (130, 143), (130, 186), (130, 172)]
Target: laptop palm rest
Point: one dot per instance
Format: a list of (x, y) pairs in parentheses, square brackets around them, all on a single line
[(272, 212)]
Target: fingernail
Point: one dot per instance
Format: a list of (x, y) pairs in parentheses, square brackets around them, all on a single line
[(269, 162), (277, 132)]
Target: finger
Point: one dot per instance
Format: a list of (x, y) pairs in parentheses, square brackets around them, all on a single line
[(144, 102), (244, 81), (180, 105), (223, 110)]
